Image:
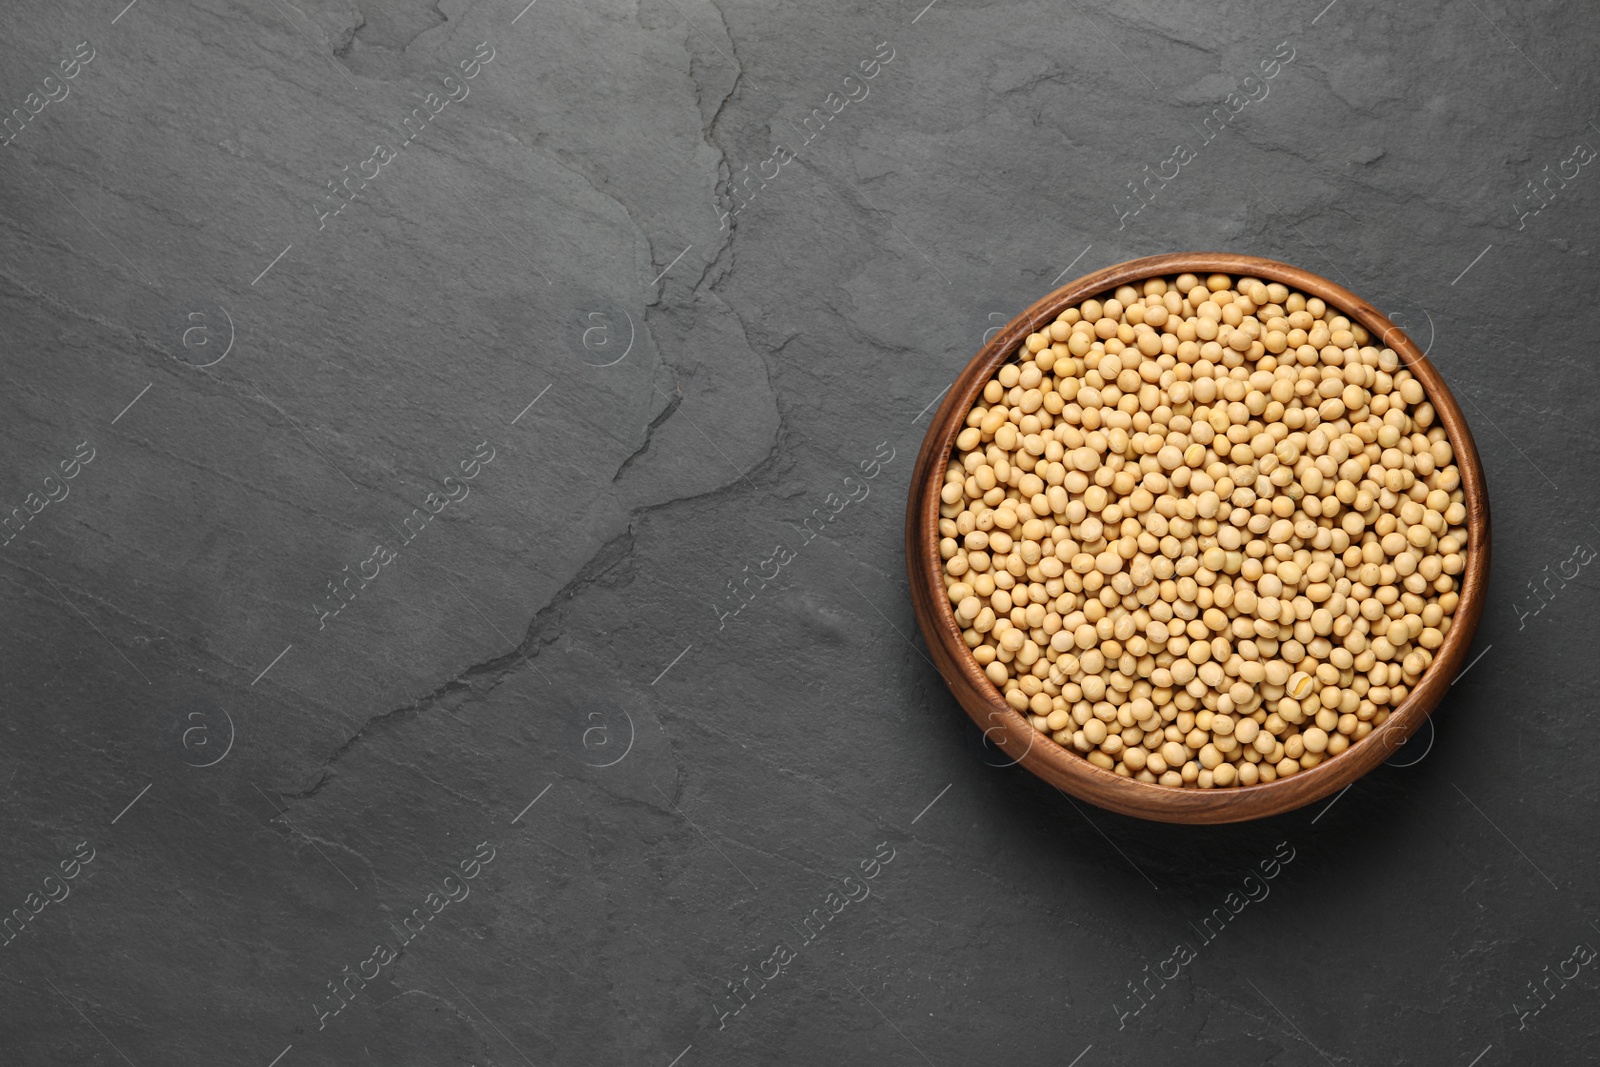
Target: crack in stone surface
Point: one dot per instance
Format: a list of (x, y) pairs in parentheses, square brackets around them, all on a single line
[(485, 676), (491, 672), (656, 423)]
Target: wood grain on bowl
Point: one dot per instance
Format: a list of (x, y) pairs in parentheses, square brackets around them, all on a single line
[(1068, 770)]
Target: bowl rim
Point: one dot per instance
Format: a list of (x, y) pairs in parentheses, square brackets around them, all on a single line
[(1068, 770)]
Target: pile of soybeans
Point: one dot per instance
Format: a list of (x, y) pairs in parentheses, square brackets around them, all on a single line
[(1203, 532)]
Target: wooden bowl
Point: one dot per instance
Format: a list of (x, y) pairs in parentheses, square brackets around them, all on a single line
[(1068, 770)]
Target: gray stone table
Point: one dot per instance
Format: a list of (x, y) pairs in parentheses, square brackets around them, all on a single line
[(395, 393)]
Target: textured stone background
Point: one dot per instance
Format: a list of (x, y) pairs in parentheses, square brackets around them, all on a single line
[(703, 783)]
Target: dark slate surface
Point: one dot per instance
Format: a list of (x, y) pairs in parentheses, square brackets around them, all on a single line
[(651, 384)]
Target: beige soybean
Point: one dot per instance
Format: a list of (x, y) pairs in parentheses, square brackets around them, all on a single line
[(1205, 533)]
